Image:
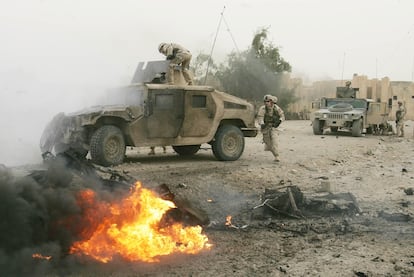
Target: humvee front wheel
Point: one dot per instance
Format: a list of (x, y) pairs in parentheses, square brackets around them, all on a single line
[(186, 150), (357, 128), (317, 126), (107, 146), (228, 144)]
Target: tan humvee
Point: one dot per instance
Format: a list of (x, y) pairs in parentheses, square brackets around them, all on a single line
[(155, 114), (348, 113)]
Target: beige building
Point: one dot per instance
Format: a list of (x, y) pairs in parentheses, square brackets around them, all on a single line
[(380, 90)]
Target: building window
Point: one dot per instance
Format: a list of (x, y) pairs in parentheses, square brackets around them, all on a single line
[(394, 97), (369, 92)]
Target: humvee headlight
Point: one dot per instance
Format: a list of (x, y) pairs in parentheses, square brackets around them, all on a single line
[(325, 115), (346, 116)]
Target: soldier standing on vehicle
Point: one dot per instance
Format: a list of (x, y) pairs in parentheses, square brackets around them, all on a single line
[(269, 117), (399, 119), (349, 91), (178, 56)]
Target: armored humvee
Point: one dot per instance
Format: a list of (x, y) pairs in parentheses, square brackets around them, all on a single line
[(154, 113), (348, 113)]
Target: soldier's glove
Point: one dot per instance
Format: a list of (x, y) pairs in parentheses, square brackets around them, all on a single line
[(170, 57), (277, 123)]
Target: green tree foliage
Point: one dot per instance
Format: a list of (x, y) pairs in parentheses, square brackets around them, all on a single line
[(254, 72), (200, 64)]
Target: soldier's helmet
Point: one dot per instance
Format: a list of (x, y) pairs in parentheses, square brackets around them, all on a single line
[(161, 46), (274, 99), (267, 97), (348, 83)]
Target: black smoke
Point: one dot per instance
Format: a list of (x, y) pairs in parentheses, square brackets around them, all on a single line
[(39, 213)]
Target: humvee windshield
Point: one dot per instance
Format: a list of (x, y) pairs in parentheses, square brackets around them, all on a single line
[(356, 103)]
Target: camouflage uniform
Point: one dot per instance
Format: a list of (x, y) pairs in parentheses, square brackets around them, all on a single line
[(177, 55), (399, 119), (349, 91), (269, 117)]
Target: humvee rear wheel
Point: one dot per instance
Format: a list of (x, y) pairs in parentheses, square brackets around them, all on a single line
[(186, 150), (107, 146), (357, 128), (317, 127), (334, 129), (228, 144)]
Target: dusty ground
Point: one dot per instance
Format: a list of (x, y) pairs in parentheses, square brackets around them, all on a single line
[(375, 169)]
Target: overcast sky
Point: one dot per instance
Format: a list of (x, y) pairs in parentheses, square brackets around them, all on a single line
[(57, 55)]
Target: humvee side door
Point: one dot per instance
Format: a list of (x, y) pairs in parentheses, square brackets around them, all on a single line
[(165, 113), (199, 114)]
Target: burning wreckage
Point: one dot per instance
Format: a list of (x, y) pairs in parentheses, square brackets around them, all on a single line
[(68, 209)]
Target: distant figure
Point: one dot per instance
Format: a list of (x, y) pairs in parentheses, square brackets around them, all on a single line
[(349, 91), (152, 150), (399, 119), (269, 117), (178, 56)]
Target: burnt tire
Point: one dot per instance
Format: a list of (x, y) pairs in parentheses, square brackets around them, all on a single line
[(317, 126), (228, 144), (357, 128), (186, 150), (107, 146)]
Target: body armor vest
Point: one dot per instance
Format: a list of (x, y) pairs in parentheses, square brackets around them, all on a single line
[(271, 117)]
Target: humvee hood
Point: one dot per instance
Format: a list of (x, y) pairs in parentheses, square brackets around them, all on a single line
[(100, 109)]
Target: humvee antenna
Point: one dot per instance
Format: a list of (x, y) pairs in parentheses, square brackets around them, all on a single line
[(231, 35), (343, 67), (214, 43)]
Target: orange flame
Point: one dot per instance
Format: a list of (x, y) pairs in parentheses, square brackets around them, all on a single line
[(40, 256), (228, 221), (132, 229)]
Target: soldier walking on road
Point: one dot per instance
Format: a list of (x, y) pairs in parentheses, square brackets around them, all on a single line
[(269, 117), (178, 56), (399, 119)]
